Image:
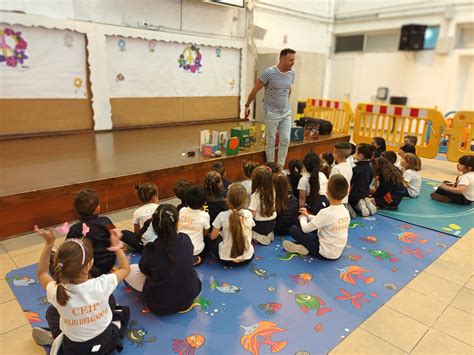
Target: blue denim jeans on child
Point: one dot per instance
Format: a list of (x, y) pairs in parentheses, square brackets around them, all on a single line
[(280, 121)]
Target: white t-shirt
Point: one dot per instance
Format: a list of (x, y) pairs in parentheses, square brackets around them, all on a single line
[(193, 222), (303, 184), (248, 186), (345, 169), (255, 206), (467, 179), (225, 247), (149, 235), (413, 180), (143, 213), (351, 160), (87, 312), (332, 224)]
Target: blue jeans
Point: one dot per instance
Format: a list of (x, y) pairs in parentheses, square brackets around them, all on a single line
[(280, 121)]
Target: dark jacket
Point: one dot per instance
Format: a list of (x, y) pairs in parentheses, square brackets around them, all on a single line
[(287, 217), (99, 236), (362, 175), (388, 195), (169, 287)]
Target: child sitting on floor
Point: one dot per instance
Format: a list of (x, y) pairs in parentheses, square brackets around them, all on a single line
[(80, 312), (248, 167), (380, 146), (313, 184), (231, 237), (390, 156), (461, 191), (362, 175), (165, 275), (215, 195), (406, 148), (390, 188), (411, 165), (220, 168), (331, 224), (194, 222), (262, 205), (413, 140), (295, 168), (96, 229), (327, 161), (180, 188), (342, 150), (286, 204)]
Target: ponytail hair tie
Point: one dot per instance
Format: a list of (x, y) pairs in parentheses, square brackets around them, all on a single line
[(60, 265)]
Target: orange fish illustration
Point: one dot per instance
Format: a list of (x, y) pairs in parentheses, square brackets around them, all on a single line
[(370, 239), (409, 237), (32, 317), (187, 346), (348, 273), (318, 328), (259, 334), (302, 279)]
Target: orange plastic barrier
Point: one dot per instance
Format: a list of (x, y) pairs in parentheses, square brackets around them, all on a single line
[(339, 113), (461, 135), (394, 122)]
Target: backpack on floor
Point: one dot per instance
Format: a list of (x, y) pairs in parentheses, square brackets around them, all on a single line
[(325, 127)]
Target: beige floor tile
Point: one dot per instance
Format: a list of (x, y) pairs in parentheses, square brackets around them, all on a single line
[(436, 342), (459, 257), (362, 342), (464, 300), (3, 253), (470, 283), (458, 324), (24, 244), (395, 328), (465, 244), (12, 316), (450, 271), (6, 293), (433, 286), (6, 265), (27, 259), (19, 341), (121, 215), (408, 302)]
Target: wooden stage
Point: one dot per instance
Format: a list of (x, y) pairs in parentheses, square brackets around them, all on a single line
[(40, 175)]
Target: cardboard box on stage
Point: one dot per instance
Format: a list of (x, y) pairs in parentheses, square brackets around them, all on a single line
[(240, 133), (297, 134), (208, 150), (232, 146), (208, 136)]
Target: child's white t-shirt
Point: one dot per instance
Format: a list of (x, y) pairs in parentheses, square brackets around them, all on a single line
[(149, 235), (225, 247), (143, 213), (303, 184), (193, 222), (87, 312), (332, 224), (351, 160), (413, 180), (467, 179), (248, 186), (255, 205), (345, 169)]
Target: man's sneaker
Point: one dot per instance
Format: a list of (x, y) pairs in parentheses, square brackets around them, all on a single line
[(294, 248), (42, 336), (271, 235), (196, 260), (370, 206), (262, 239), (352, 213), (362, 208)]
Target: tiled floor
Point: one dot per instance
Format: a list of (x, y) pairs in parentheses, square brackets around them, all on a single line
[(434, 313)]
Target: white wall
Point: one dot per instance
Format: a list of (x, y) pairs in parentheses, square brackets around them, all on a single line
[(428, 79)]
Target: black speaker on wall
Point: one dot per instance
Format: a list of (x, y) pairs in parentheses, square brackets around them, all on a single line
[(412, 38)]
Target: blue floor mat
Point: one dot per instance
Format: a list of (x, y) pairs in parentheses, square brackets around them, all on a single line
[(282, 302), (423, 211)]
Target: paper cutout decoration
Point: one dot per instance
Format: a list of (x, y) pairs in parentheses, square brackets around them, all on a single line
[(190, 60), (232, 83), (209, 150), (152, 45), (77, 83), (208, 136), (232, 146), (218, 52), (12, 47), (122, 44), (243, 134)]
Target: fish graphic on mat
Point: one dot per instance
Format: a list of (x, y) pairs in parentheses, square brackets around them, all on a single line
[(383, 255), (260, 334), (409, 237), (310, 302), (348, 273), (355, 298)]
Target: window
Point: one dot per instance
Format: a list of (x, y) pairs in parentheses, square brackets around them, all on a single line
[(382, 42), (431, 37), (353, 43)]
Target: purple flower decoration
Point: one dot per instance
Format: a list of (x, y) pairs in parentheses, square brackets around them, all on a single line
[(20, 56), (11, 61), (21, 44), (8, 31)]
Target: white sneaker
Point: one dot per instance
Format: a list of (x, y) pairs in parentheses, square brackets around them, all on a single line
[(362, 208), (42, 336), (370, 206), (262, 239), (271, 235), (294, 248)]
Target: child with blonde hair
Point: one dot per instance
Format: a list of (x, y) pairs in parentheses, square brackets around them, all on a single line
[(411, 165)]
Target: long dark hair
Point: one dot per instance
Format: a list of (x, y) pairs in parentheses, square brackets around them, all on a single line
[(312, 164), (295, 167), (389, 172), (262, 183), (237, 200), (146, 192), (281, 186), (165, 224), (213, 186), (69, 262)]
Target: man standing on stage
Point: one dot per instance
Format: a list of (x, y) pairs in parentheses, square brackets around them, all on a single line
[(277, 81)]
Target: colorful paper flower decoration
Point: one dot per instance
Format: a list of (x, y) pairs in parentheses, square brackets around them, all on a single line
[(190, 59), (122, 44), (12, 47), (78, 82)]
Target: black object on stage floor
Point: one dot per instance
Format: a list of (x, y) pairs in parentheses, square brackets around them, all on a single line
[(325, 127)]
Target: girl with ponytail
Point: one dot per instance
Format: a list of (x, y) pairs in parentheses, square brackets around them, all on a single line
[(312, 185), (231, 237), (80, 308), (165, 274)]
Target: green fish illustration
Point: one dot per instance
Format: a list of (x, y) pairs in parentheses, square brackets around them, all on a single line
[(309, 302), (383, 255)]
